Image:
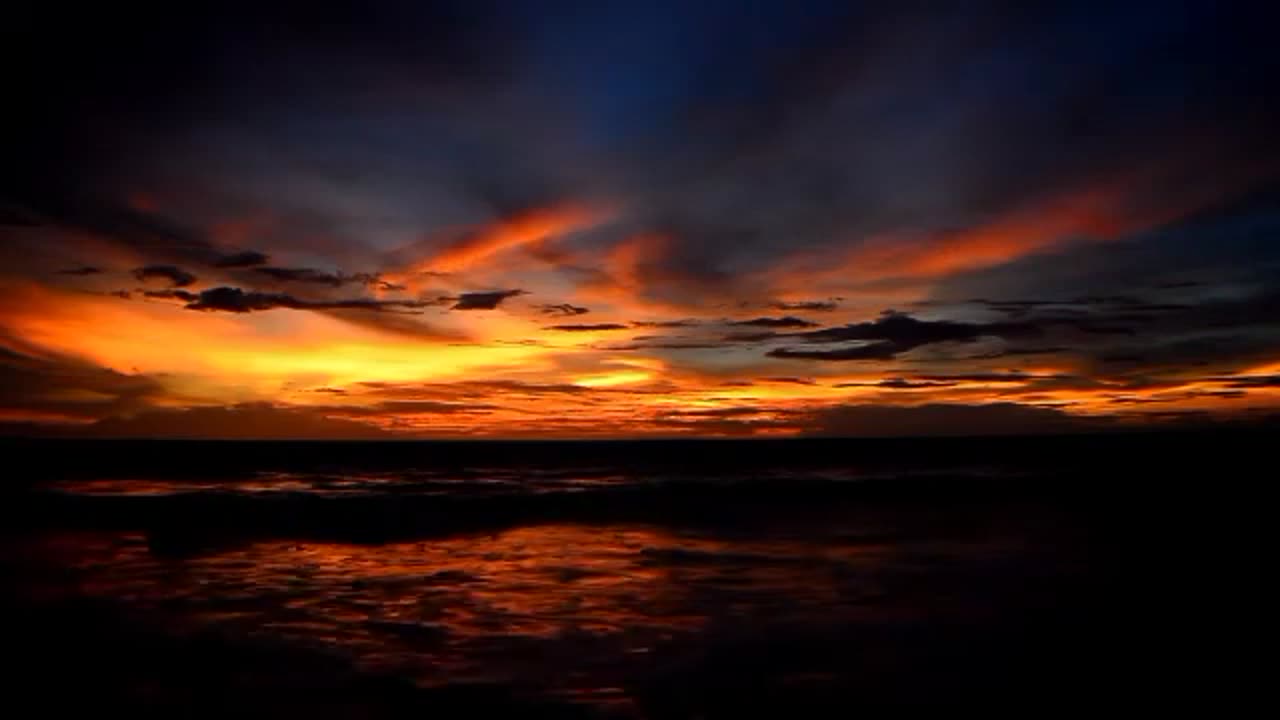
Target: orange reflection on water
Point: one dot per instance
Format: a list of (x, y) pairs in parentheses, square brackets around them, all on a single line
[(570, 608)]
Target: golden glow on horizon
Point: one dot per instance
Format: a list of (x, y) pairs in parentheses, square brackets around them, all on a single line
[(302, 358), (655, 369)]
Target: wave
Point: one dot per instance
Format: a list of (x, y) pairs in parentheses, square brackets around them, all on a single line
[(190, 517)]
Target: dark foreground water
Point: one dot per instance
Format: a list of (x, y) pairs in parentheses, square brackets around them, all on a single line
[(658, 580)]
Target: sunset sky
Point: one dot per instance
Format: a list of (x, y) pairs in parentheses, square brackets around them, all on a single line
[(609, 219)]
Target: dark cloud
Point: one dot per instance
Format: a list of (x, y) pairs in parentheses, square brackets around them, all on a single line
[(1089, 315), (1252, 381), (1079, 310), (255, 421), (1122, 359), (589, 328), (663, 342), (1012, 307), (1095, 329), (908, 332), (96, 212), (82, 270), (945, 419), (1005, 377), (1107, 300), (1222, 331), (248, 258), (563, 309), (1225, 248), (807, 306), (62, 389), (899, 384), (176, 276), (779, 322), (183, 295), (1024, 351), (896, 333), (789, 380), (311, 275), (665, 323), (751, 337), (1176, 417), (871, 351), (406, 407), (1179, 396), (231, 299), (484, 300)]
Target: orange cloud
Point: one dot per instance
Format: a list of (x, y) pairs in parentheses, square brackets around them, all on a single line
[(1095, 214), (1091, 215), (518, 230), (222, 357), (906, 265), (629, 271)]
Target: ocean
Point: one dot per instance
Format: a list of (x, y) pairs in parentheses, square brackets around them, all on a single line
[(646, 579)]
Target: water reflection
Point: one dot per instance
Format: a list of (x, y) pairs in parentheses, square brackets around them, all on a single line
[(575, 609), (468, 481), (472, 480)]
